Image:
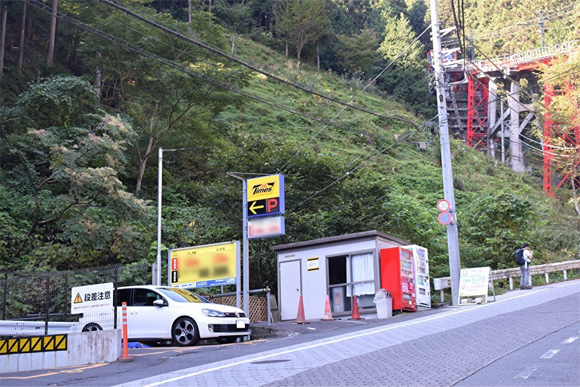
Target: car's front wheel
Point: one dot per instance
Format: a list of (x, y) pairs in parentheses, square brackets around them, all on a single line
[(185, 332), (92, 327)]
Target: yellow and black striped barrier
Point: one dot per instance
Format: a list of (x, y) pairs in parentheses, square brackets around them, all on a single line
[(33, 344)]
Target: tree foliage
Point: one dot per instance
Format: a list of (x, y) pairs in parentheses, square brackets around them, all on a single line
[(61, 183), (301, 22), (73, 152), (358, 53), (561, 120)]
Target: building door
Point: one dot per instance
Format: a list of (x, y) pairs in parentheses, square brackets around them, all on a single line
[(290, 289)]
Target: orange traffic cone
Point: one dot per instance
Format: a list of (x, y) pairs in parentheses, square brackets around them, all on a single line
[(327, 312), (355, 313), (300, 317)]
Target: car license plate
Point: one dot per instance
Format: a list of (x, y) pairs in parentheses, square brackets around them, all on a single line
[(240, 324)]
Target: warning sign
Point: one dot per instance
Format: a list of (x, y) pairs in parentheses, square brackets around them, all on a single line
[(92, 298)]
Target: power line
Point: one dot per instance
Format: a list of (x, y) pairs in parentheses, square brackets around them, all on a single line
[(347, 173), (510, 95), (221, 84), (245, 64), (368, 84), (124, 44), (328, 123), (362, 164), (516, 26)]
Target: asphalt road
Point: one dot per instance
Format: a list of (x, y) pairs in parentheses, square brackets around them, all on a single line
[(524, 338), (550, 361)]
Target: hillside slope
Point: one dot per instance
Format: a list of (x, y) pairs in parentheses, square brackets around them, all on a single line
[(354, 171)]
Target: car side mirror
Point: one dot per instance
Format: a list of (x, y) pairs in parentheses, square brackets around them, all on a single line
[(159, 303)]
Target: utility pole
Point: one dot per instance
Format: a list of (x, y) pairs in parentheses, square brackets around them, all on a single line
[(541, 27), (452, 234)]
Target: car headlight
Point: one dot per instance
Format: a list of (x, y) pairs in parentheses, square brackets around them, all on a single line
[(213, 313)]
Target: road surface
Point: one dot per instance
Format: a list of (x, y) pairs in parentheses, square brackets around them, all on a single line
[(525, 338)]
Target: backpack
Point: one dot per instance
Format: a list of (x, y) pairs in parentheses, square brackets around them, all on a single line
[(519, 257)]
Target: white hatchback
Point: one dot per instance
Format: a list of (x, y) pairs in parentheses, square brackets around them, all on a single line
[(158, 313)]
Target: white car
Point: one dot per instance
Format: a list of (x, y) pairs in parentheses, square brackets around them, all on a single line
[(159, 313)]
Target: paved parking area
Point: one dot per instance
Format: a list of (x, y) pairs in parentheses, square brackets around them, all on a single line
[(456, 343)]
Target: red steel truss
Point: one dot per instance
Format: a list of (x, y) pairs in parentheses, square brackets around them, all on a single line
[(569, 137), (477, 110)]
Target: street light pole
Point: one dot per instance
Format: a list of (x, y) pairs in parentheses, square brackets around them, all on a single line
[(159, 196), (246, 251), (452, 233)]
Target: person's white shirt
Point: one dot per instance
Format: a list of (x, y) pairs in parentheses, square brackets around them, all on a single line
[(527, 256)]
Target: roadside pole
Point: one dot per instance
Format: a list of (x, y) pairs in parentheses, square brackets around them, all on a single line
[(452, 233), (159, 196), (246, 251)]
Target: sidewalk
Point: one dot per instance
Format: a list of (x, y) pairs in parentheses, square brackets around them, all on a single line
[(261, 330)]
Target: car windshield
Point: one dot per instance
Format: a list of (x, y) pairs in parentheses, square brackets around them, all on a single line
[(182, 295)]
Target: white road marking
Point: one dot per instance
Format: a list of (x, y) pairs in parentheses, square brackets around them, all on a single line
[(363, 334), (549, 354), (526, 373), (570, 339)]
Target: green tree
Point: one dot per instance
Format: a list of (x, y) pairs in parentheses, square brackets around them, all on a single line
[(161, 100), (493, 226), (358, 53), (237, 17), (301, 22), (399, 36), (60, 180), (417, 14)]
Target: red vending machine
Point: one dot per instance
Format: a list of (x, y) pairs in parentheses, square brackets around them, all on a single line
[(397, 276)]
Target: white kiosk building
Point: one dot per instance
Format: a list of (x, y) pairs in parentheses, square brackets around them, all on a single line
[(337, 266)]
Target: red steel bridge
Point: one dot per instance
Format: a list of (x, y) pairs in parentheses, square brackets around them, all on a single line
[(494, 121)]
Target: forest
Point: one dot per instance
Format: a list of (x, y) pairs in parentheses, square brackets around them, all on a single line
[(333, 94)]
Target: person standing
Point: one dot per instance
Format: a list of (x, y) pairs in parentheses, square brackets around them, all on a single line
[(525, 268)]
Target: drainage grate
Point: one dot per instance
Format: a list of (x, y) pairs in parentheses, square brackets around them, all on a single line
[(270, 361)]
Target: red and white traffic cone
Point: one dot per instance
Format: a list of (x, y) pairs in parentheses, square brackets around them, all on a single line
[(125, 358), (355, 313), (300, 317), (327, 312)]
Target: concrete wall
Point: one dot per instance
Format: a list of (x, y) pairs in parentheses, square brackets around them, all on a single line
[(82, 348)]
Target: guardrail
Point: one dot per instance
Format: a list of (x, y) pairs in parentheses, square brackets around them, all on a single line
[(13, 328), (534, 55), (445, 283), (519, 58)]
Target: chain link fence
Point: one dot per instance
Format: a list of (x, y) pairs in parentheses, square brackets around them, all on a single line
[(40, 303)]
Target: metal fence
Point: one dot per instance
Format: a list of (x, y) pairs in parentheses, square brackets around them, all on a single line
[(260, 308), (445, 283), (40, 303)]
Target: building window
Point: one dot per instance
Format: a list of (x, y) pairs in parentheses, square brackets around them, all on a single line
[(348, 274)]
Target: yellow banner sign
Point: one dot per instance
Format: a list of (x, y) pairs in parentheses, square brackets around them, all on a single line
[(263, 188), (204, 266)]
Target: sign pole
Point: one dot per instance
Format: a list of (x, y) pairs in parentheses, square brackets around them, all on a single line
[(452, 233), (246, 254), (238, 275)]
